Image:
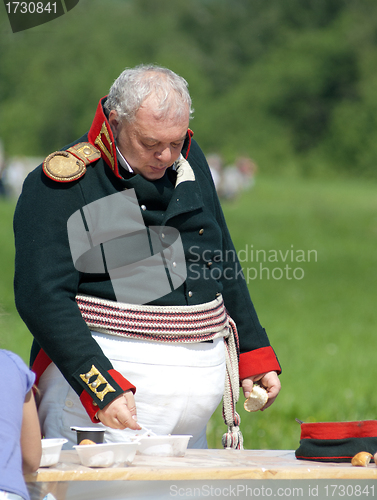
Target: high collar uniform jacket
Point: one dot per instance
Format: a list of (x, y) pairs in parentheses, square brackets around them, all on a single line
[(47, 282)]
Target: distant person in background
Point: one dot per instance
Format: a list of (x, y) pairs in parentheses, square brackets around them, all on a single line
[(248, 168), (215, 164), (20, 434), (237, 178), (14, 176)]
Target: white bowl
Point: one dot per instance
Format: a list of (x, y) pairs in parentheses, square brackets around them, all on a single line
[(163, 446), (51, 448), (107, 454)]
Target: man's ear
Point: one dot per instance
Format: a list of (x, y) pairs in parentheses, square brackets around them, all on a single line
[(114, 122)]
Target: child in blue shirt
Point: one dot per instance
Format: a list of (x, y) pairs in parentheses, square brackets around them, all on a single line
[(20, 435)]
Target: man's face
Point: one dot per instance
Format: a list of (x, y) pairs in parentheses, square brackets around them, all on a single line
[(150, 144)]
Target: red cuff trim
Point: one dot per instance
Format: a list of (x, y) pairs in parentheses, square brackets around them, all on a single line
[(339, 430), (90, 407), (122, 382), (261, 360), (87, 400), (40, 364)]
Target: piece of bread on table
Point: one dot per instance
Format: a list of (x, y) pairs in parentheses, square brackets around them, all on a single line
[(86, 441)]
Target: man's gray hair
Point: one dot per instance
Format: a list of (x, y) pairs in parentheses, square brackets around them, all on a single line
[(134, 85)]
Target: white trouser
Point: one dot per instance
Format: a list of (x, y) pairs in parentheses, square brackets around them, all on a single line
[(178, 387)]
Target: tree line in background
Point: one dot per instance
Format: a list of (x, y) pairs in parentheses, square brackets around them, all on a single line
[(291, 84)]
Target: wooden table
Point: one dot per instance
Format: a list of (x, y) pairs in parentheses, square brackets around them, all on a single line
[(169, 477)]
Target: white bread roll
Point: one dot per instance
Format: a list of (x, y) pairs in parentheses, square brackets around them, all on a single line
[(257, 399)]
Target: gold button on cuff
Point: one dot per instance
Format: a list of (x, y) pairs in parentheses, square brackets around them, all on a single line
[(201, 231), (190, 294)]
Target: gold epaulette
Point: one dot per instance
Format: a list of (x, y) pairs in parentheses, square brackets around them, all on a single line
[(70, 165)]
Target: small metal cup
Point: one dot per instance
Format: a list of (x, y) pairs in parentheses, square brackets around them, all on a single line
[(95, 435)]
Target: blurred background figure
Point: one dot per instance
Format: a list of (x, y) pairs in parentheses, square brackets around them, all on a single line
[(236, 178), (248, 168), (15, 170), (215, 163)]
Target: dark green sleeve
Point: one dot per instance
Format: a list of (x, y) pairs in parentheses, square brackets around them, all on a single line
[(46, 281)]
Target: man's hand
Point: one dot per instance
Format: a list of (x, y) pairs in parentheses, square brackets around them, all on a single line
[(270, 381), (120, 413)]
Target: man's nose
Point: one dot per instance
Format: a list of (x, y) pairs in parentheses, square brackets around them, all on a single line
[(164, 155)]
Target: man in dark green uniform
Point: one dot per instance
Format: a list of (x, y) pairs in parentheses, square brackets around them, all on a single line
[(126, 273)]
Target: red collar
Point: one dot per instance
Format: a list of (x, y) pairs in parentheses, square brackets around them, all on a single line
[(101, 136)]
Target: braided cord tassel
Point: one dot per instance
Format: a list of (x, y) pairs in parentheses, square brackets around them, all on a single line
[(232, 439)]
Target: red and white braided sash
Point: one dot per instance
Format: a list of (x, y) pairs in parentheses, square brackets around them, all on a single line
[(186, 324), (160, 323)]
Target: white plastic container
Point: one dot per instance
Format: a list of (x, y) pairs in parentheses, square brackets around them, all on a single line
[(107, 454), (51, 448), (163, 446)]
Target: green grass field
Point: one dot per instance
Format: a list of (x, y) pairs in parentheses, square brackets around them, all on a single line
[(308, 249)]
